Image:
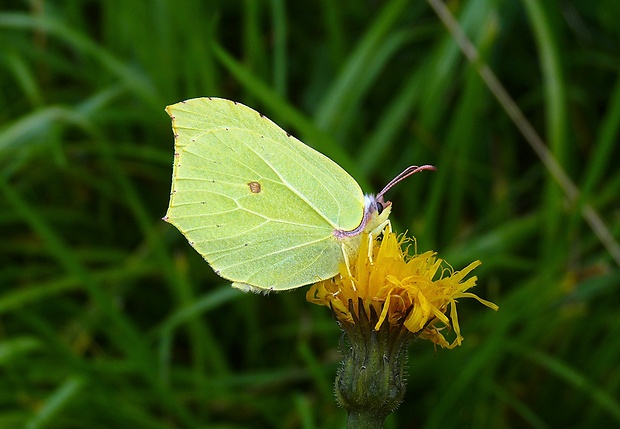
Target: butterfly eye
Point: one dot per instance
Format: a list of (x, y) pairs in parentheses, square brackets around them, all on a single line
[(379, 207)]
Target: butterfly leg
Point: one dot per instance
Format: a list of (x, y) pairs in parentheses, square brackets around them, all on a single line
[(382, 228), (346, 261)]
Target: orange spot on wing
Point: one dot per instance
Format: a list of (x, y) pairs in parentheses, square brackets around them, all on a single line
[(255, 187)]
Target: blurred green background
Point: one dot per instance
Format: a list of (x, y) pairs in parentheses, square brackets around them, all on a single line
[(108, 319)]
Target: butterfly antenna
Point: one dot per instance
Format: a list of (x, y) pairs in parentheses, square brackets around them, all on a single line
[(409, 171)]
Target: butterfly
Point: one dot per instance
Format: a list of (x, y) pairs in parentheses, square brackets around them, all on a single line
[(266, 211)]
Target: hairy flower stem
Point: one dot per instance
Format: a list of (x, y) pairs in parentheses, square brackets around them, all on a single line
[(365, 420), (370, 384)]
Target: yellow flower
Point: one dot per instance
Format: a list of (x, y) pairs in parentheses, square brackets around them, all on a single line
[(415, 293)]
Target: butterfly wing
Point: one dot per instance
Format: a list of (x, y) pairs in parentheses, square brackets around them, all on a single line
[(259, 205)]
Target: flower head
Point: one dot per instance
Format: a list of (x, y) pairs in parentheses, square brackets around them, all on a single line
[(416, 294)]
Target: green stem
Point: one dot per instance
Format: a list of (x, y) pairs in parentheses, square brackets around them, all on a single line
[(359, 419)]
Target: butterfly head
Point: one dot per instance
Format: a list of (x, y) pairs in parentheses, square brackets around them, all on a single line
[(376, 209), (375, 204)]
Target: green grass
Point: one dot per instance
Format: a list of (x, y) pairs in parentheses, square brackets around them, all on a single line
[(108, 319)]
